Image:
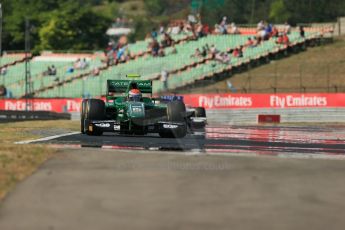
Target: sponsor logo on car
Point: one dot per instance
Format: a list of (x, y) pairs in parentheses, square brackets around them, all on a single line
[(169, 126), (103, 125), (136, 109)]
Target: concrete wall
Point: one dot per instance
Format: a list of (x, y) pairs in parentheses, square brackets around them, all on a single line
[(339, 27), (249, 116)]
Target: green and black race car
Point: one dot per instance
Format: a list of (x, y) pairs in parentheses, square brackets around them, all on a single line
[(146, 115)]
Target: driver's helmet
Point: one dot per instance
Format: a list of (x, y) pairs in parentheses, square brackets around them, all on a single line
[(134, 95)]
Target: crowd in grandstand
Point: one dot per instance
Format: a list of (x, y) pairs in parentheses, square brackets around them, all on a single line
[(51, 71), (162, 41), (117, 52)]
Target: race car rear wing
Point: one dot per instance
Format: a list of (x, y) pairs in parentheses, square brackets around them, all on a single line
[(122, 86)]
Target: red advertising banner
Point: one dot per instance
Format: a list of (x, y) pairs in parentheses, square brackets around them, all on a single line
[(55, 105), (254, 101), (209, 101)]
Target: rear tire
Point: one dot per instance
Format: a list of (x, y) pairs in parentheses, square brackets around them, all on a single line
[(200, 112), (176, 111)]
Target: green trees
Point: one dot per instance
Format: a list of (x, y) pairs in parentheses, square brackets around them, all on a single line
[(55, 24), (279, 12), (73, 28), (81, 24)]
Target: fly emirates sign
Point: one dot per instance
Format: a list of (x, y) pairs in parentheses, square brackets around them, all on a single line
[(297, 101), (227, 101), (233, 101)]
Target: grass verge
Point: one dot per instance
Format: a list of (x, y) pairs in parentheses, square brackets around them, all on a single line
[(19, 161)]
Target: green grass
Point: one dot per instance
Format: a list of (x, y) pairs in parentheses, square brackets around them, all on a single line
[(19, 161)]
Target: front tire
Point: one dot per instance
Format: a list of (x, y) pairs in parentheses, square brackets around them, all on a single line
[(82, 117), (94, 110), (176, 112)]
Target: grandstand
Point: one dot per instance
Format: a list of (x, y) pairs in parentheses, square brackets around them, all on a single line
[(183, 68)]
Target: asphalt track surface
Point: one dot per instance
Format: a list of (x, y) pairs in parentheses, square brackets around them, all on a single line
[(129, 186), (271, 140)]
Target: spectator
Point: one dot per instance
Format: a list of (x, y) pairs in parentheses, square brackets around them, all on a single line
[(49, 71), (286, 40), (161, 29), (3, 71), (287, 28), (249, 42), (223, 26), (3, 91), (154, 33), (161, 52), (164, 79), (257, 41), (181, 27), (222, 57), (167, 40), (234, 29), (70, 70), (205, 50), (82, 63), (205, 30), (226, 58), (280, 39), (260, 26), (197, 53), (9, 94), (109, 47), (96, 71), (268, 31), (274, 32), (154, 47), (120, 53), (199, 31), (301, 31), (238, 52), (263, 35), (235, 53), (53, 70), (76, 64), (213, 50)]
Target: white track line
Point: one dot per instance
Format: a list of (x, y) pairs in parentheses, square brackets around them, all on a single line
[(46, 138)]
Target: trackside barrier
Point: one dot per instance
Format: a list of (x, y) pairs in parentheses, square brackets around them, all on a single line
[(226, 108), (268, 118), (9, 116)]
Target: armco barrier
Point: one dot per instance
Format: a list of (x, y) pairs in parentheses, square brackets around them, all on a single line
[(9, 116), (228, 108)]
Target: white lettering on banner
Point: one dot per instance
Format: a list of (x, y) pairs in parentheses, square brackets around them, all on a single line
[(218, 101), (43, 106), (72, 106), (20, 105), (297, 101)]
